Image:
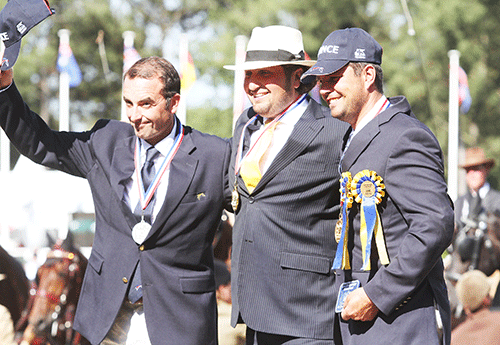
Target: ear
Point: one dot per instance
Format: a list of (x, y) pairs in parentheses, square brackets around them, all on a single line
[(296, 78), (174, 103), (370, 75)]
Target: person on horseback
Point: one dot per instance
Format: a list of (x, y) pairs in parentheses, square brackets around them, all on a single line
[(480, 198)]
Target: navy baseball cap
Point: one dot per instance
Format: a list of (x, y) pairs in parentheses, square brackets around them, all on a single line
[(342, 47), (16, 19)]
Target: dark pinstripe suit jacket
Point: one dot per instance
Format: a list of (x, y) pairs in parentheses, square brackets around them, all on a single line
[(176, 257), (417, 220), (283, 236)]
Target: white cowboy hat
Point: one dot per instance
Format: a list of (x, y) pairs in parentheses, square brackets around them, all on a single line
[(273, 46)]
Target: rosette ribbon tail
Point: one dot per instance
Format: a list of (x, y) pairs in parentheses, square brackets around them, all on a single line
[(368, 220), (368, 190), (342, 255), (370, 226)]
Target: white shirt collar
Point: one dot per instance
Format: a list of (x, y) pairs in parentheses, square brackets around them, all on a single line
[(374, 111), (484, 190)]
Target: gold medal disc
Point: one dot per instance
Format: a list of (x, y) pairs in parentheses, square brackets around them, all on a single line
[(235, 199), (338, 229), (367, 189)]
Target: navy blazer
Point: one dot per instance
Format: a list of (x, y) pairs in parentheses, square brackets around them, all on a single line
[(417, 219), (176, 257), (283, 236)]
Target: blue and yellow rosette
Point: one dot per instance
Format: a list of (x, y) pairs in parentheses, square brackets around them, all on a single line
[(368, 190), (341, 260)]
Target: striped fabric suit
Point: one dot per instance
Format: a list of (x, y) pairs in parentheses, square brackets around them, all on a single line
[(283, 236)]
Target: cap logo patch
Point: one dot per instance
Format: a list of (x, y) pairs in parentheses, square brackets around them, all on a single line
[(318, 69), (21, 28), (330, 49), (360, 53)]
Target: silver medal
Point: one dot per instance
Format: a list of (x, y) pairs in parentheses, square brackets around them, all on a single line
[(140, 231)]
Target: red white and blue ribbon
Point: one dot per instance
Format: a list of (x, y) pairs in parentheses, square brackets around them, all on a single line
[(146, 196), (341, 260), (239, 158)]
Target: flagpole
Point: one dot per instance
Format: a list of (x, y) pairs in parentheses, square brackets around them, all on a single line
[(453, 125), (128, 41), (183, 59), (5, 153), (63, 87), (102, 53), (4, 176), (239, 77)]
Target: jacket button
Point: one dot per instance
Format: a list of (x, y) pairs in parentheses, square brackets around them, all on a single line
[(125, 280), (141, 248), (251, 200)]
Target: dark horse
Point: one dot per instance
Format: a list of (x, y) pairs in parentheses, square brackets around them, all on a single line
[(50, 313), (14, 288), (476, 245)]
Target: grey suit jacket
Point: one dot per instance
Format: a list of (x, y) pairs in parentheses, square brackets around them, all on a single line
[(283, 236), (417, 220), (176, 257)]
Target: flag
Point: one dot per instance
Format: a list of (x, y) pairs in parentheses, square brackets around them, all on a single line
[(188, 73), (314, 93), (130, 56), (66, 62), (464, 98)]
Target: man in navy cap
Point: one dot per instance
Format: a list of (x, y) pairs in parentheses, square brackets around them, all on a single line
[(397, 217)]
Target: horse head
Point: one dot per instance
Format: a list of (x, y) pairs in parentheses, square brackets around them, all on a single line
[(58, 282)]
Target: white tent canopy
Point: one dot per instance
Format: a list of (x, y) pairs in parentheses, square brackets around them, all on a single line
[(35, 199)]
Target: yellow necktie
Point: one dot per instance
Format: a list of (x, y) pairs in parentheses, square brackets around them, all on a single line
[(250, 168)]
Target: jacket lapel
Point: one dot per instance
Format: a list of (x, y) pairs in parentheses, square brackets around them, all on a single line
[(182, 171), (359, 143), (304, 132), (122, 168), (372, 129)]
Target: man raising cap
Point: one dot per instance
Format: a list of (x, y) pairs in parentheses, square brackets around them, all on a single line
[(158, 189), (284, 180), (399, 219)]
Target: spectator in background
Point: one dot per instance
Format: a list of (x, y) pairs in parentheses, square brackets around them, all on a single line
[(480, 197), (482, 325), (227, 334)]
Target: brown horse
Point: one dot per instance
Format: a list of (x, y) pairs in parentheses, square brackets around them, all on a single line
[(14, 290), (475, 246), (51, 311)]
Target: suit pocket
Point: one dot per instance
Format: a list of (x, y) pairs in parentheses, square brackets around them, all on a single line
[(95, 261), (302, 262), (197, 284), (306, 163)]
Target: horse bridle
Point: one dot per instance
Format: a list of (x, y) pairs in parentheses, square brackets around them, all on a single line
[(62, 314), (469, 246)]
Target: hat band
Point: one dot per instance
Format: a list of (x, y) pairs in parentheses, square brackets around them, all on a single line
[(273, 55)]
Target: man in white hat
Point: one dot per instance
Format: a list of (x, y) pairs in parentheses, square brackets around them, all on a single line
[(285, 196)]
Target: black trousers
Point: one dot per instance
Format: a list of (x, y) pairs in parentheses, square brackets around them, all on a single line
[(260, 338)]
